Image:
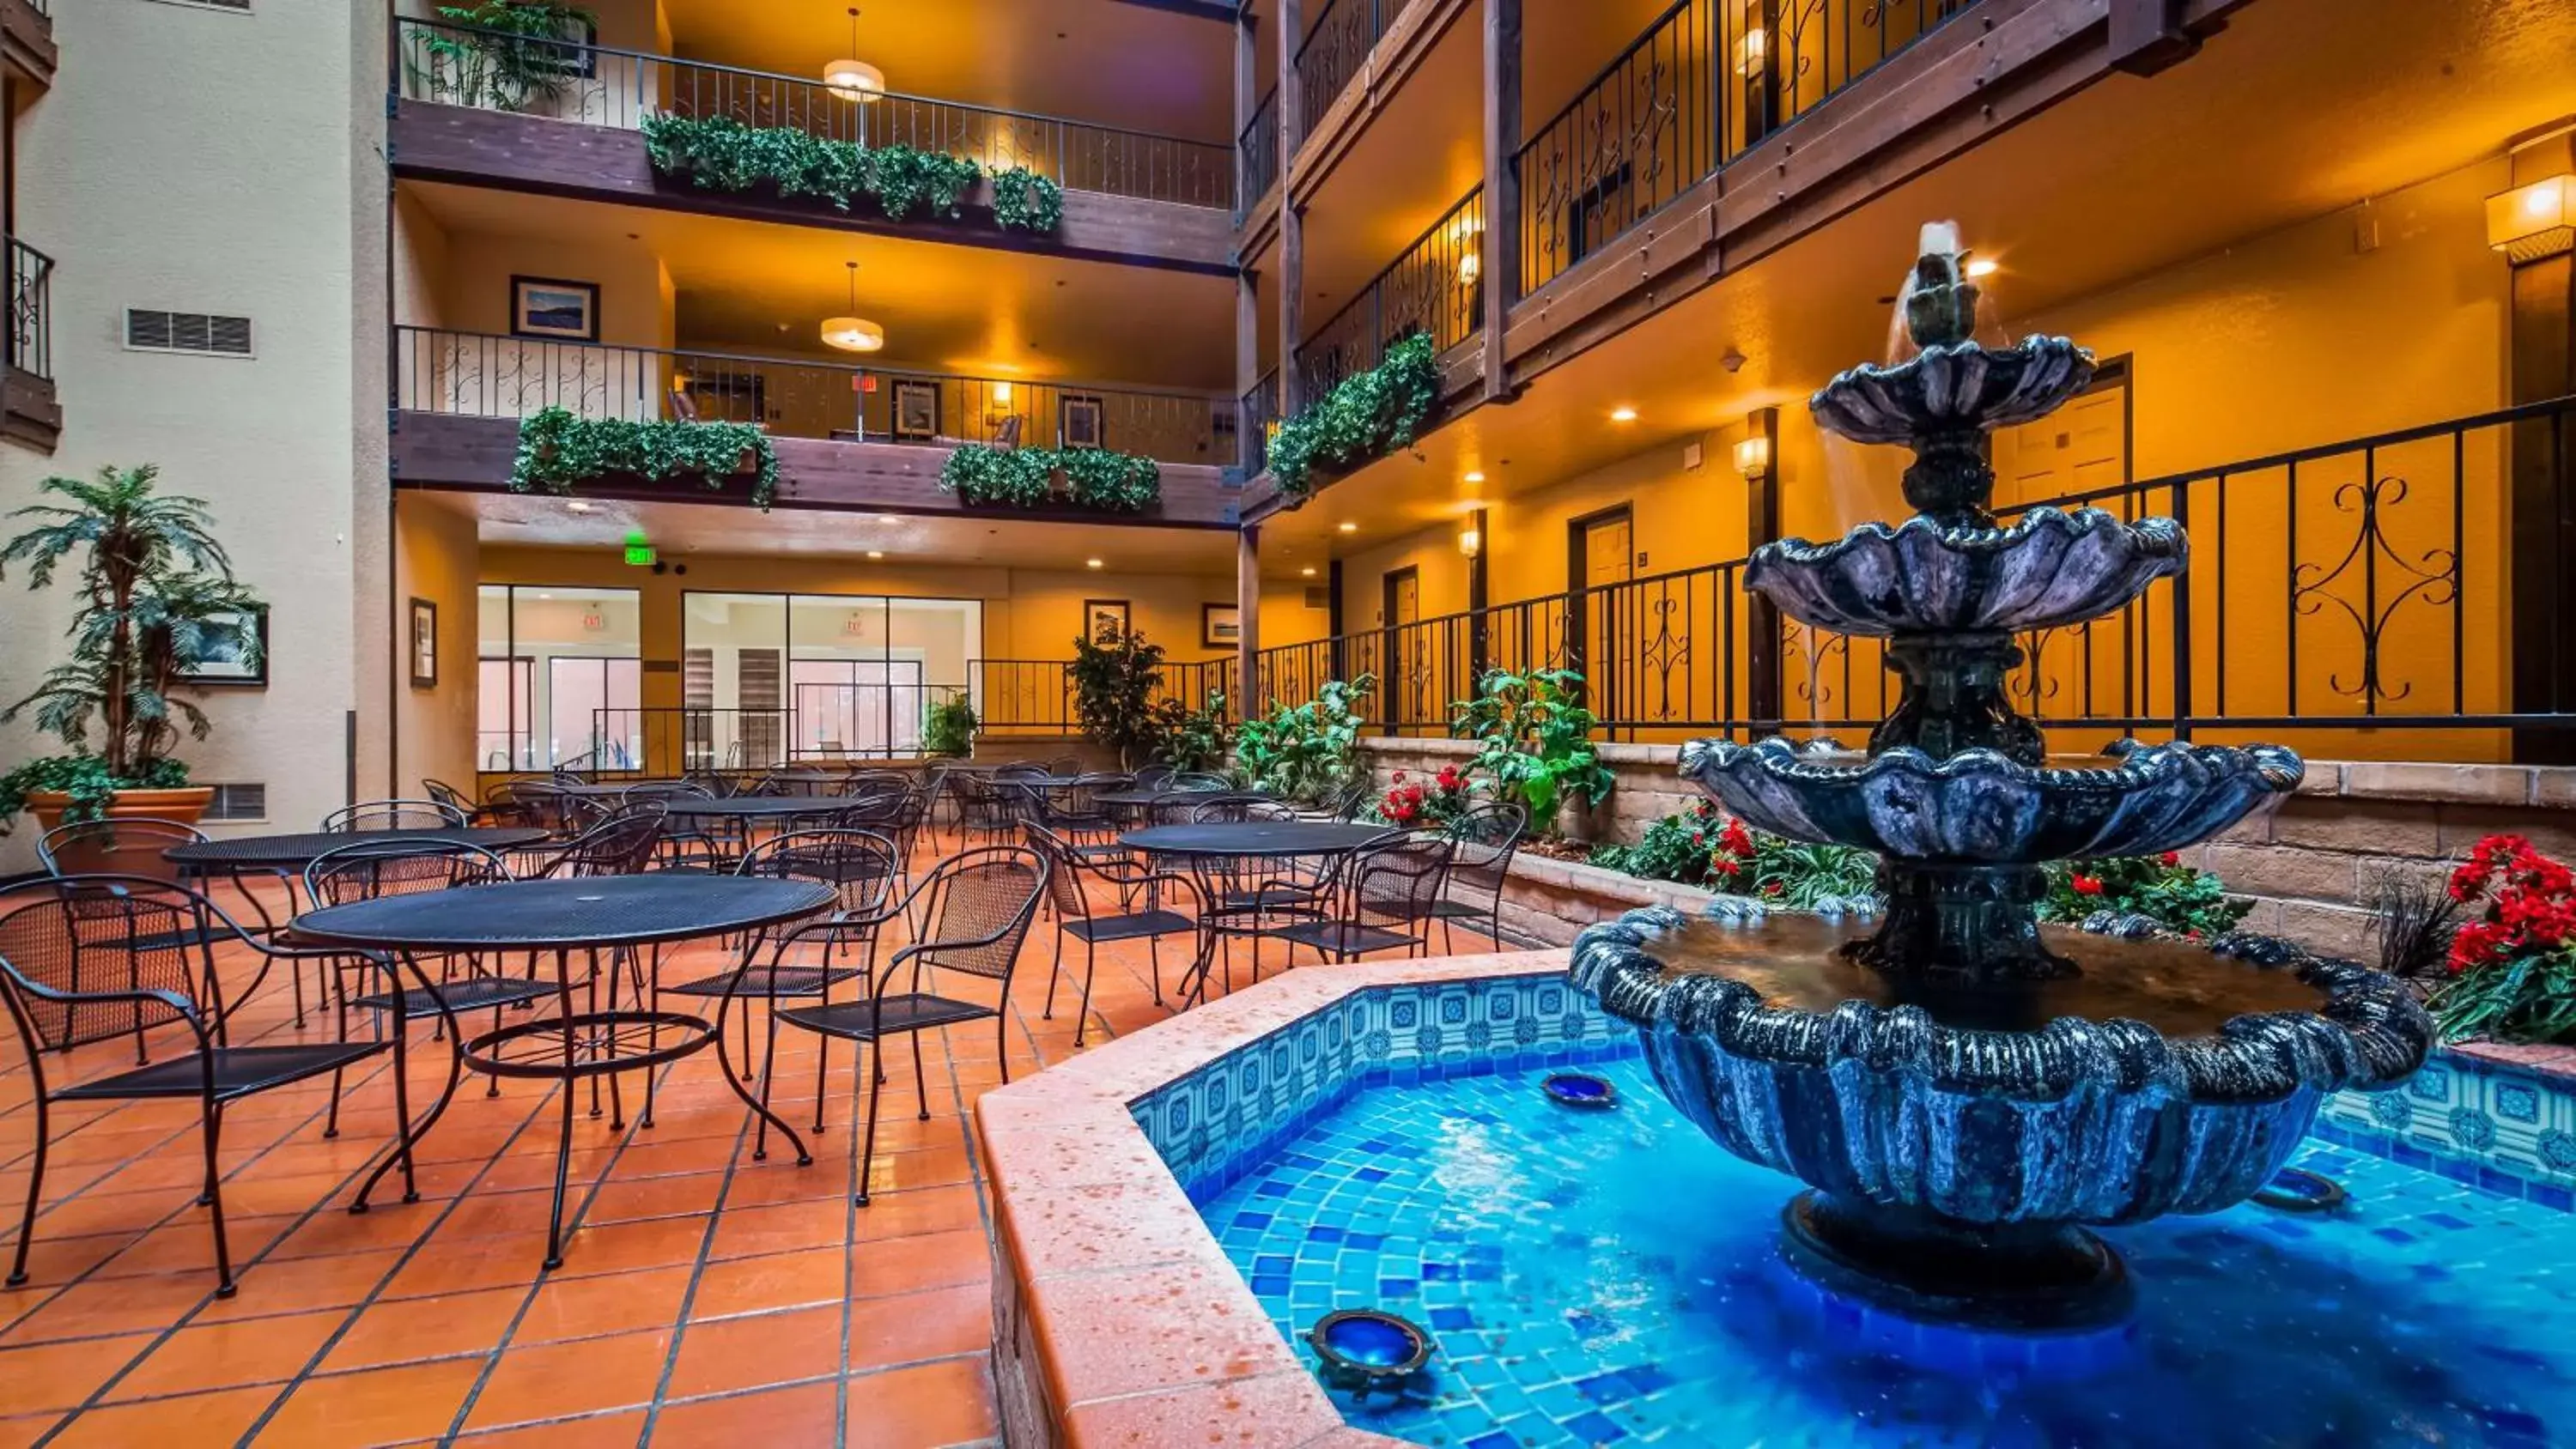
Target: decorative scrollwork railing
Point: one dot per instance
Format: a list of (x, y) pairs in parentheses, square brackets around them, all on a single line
[(30, 335), (1435, 285)]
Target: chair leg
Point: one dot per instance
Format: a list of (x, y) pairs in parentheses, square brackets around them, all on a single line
[(35, 1187), (920, 1084), (874, 1052), (1090, 964), (1154, 965), (214, 1201), (1001, 1047), (1054, 973)]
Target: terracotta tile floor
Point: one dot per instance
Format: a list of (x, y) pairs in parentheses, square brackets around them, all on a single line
[(705, 1297)]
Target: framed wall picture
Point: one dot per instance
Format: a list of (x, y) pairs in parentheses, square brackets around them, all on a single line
[(1104, 619), (548, 307), (232, 667), (424, 644), (916, 410), (1083, 427), (1220, 626)]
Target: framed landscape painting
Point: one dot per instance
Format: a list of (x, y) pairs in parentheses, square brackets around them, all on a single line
[(1220, 626), (424, 644), (1104, 619), (548, 307)]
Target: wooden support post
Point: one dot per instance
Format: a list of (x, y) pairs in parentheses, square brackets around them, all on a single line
[(2542, 365), (1479, 647), (1500, 266), (1247, 605), (1761, 616)]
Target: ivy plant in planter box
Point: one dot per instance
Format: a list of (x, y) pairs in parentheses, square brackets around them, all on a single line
[(719, 153), (558, 450), (1025, 477), (1025, 201), (1367, 415)]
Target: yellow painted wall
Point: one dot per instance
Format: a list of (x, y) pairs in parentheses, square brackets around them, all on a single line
[(435, 558)]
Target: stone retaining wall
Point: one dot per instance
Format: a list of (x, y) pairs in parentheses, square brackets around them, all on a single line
[(2310, 865)]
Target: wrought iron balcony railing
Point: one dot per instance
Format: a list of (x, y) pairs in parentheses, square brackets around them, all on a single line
[(2345, 596), (1258, 148), (1705, 82), (1336, 46), (606, 86), (1260, 414), (31, 314), (483, 375), (1436, 285)]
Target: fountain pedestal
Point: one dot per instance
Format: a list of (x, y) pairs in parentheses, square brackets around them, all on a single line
[(1959, 1089)]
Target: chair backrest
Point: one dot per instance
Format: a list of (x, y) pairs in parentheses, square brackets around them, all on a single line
[(1152, 777), (365, 870), (394, 815), (86, 933), (1199, 780), (1235, 807), (875, 782), (717, 786), (1401, 876), (1065, 765), (1350, 800), (1064, 873), (448, 795), (131, 845), (1487, 838), (665, 790), (622, 844), (860, 866), (977, 906)]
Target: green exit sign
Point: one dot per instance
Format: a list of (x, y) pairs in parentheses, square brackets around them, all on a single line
[(640, 554)]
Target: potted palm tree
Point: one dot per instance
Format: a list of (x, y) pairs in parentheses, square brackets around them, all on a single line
[(158, 604)]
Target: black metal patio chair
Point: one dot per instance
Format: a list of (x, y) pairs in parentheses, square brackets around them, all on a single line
[(974, 912), (1381, 897), (1067, 873), (72, 971), (394, 815), (123, 845)]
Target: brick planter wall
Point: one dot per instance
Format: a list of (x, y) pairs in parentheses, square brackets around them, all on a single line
[(2310, 865)]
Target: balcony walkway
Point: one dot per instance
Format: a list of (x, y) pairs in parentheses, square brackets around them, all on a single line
[(706, 1298)]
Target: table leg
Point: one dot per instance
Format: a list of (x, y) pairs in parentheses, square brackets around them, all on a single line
[(413, 1132), (563, 1140)]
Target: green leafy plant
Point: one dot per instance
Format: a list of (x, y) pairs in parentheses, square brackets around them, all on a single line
[(1536, 738), (1306, 752), (719, 153), (1114, 679), (2513, 969), (515, 55), (1702, 846), (2161, 888), (1024, 477), (1367, 415), (558, 449), (1193, 739), (159, 603), (1025, 201), (948, 727)]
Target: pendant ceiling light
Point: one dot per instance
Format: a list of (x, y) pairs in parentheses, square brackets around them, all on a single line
[(853, 333), (854, 80)]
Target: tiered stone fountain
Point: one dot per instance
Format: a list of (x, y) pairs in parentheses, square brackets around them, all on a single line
[(1964, 1089)]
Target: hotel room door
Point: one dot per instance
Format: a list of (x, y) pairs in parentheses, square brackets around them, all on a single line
[(1600, 623)]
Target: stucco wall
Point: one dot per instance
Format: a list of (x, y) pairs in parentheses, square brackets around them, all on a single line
[(131, 173)]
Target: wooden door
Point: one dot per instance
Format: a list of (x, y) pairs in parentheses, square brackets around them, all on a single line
[(1601, 552), (1407, 685)]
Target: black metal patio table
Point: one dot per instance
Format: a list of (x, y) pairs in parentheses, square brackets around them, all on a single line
[(760, 807), (1255, 838), (589, 915)]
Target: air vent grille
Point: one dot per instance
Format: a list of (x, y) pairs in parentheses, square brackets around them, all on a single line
[(239, 802), (147, 331)]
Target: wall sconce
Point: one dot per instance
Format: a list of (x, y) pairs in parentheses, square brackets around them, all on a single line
[(1471, 265), (1001, 394), (1753, 52), (1759, 446), (1470, 542), (2533, 222)]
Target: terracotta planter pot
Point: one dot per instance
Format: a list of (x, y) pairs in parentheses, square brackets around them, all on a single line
[(183, 805)]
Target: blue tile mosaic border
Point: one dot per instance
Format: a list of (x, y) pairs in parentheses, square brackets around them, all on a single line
[(2487, 1124)]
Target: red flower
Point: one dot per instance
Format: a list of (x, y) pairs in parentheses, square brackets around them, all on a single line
[(2171, 858), (1448, 777), (1727, 865), (1772, 889), (1735, 840), (2086, 885)]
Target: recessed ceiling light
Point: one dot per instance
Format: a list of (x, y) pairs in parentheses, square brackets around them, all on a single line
[(1349, 527), (578, 506), (1982, 267), (1623, 415), (1091, 563), (1305, 573), (547, 597), (1475, 477), (888, 519), (876, 553)]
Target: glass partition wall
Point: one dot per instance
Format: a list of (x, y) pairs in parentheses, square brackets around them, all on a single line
[(557, 661), (767, 678)]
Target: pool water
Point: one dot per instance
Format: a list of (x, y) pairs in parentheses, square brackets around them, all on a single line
[(1610, 1277)]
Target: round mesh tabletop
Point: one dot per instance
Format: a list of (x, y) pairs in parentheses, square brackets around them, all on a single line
[(294, 852), (760, 807), (1254, 837), (541, 915), (599, 789), (1140, 799)]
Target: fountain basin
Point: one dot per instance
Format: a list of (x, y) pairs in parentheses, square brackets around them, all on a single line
[(1979, 807), (2103, 1120), (1953, 386), (2048, 569)]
